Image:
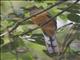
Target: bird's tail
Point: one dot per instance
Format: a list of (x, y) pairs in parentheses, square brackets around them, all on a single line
[(51, 44)]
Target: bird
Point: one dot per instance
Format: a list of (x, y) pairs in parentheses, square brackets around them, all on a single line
[(49, 29)]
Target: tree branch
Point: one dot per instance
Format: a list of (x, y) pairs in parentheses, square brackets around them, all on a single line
[(50, 19), (64, 26), (19, 22), (66, 44)]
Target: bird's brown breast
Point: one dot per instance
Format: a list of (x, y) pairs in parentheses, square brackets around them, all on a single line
[(40, 19)]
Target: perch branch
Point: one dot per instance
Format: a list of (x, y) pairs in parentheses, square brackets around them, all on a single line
[(19, 22), (50, 19)]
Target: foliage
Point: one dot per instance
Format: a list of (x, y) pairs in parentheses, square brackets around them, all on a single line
[(74, 17), (71, 14)]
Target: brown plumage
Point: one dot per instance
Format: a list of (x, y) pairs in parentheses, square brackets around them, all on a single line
[(48, 29), (40, 19)]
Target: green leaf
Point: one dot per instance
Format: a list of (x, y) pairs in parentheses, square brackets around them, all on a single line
[(6, 23), (54, 11), (18, 31), (44, 5), (73, 17), (64, 17)]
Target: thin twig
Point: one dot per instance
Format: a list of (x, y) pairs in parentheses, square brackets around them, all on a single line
[(19, 22), (64, 26), (70, 39)]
